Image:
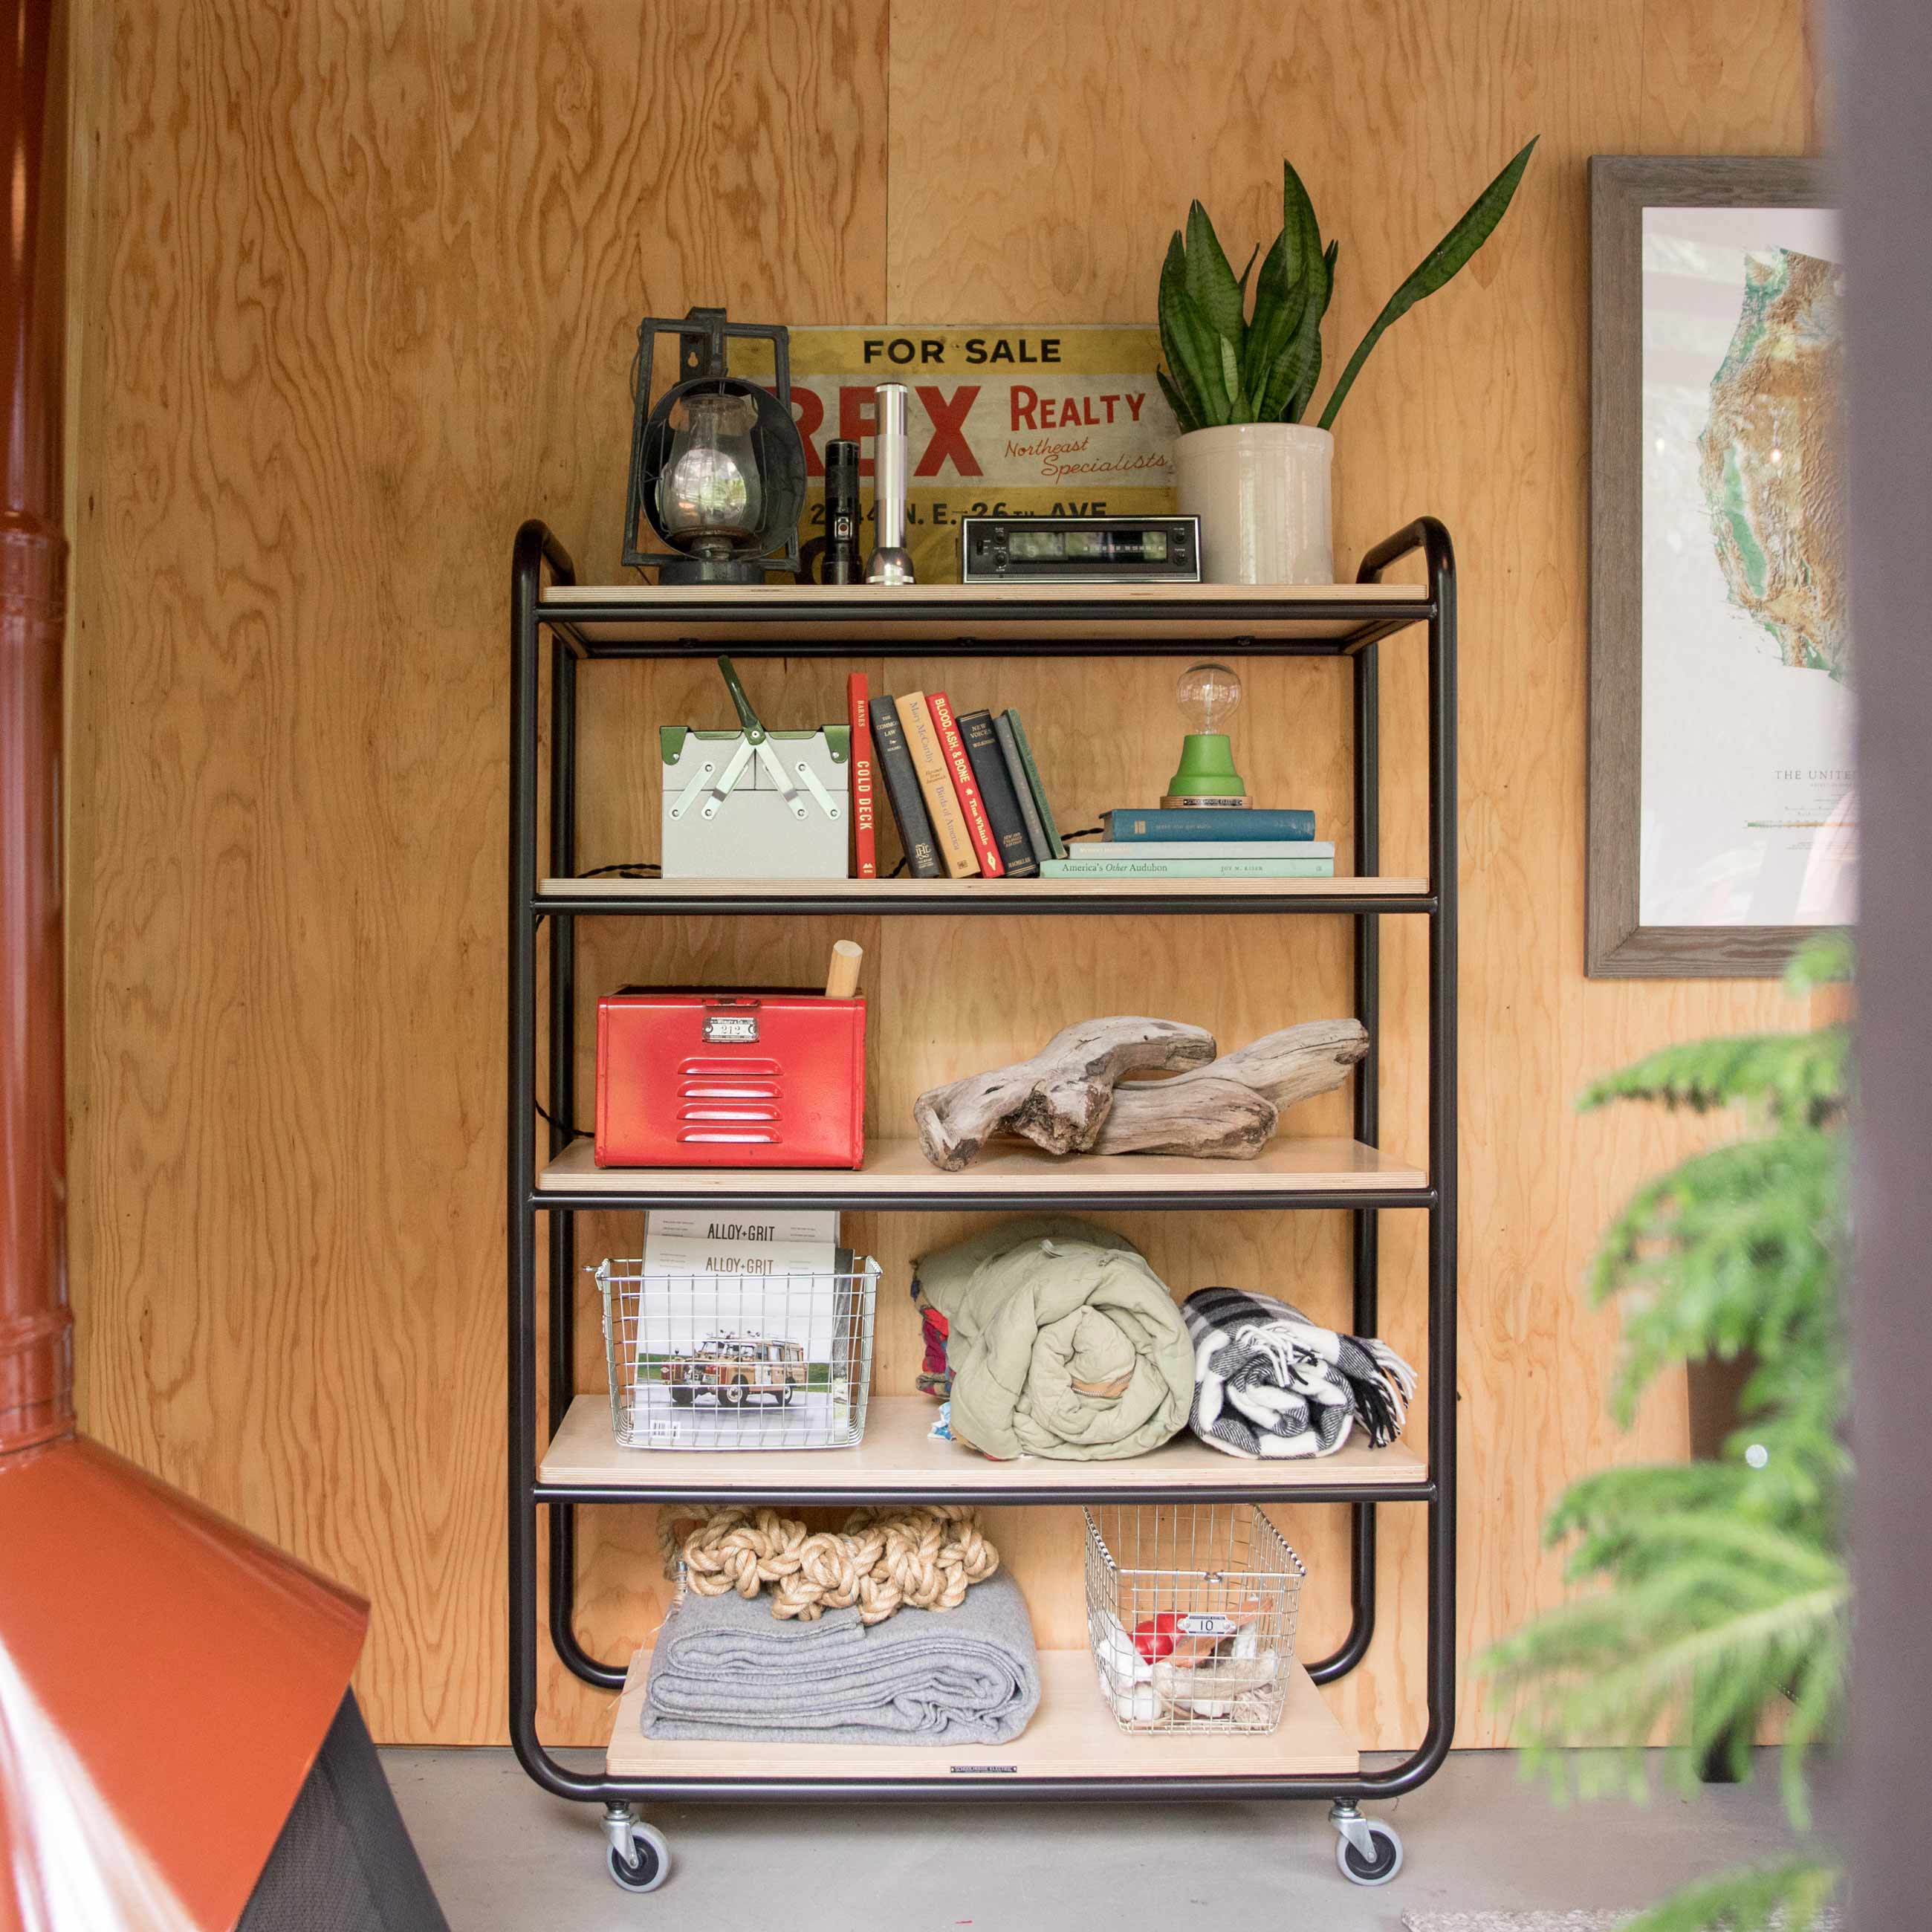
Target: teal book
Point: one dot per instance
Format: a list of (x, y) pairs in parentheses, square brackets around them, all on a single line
[(1130, 822), (1055, 844), (1201, 848), (1077, 868), (1009, 756)]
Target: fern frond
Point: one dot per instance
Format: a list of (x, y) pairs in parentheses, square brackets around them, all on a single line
[(1799, 1076), (1826, 961), (1735, 1251), (1713, 1592), (1711, 1620), (1748, 1900)]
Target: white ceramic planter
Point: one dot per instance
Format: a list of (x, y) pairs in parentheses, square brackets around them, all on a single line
[(1263, 492)]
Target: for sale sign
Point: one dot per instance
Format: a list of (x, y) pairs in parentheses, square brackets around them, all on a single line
[(1001, 422)]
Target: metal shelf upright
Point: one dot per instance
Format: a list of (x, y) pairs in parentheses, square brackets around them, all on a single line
[(1347, 622)]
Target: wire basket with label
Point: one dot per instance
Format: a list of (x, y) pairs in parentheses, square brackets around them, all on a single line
[(1191, 1611), (746, 1361)]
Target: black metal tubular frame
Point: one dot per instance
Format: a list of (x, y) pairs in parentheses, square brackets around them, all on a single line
[(908, 897), (937, 1200), (535, 550)]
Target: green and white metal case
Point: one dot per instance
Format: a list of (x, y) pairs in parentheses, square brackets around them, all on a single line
[(766, 805)]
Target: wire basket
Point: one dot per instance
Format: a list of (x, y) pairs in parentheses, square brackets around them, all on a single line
[(768, 1361), (1191, 1610)]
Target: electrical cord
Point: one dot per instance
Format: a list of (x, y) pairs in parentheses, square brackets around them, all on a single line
[(563, 1126)]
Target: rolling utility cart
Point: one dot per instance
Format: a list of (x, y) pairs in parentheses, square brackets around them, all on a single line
[(1073, 1748)]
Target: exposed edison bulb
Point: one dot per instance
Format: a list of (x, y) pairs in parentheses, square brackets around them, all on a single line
[(1208, 695)]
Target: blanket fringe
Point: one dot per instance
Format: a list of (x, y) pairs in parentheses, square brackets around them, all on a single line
[(1384, 1405)]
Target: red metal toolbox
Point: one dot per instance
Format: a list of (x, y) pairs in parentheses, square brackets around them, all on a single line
[(730, 1080)]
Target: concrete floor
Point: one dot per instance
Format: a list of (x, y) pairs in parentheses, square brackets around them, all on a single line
[(504, 1857)]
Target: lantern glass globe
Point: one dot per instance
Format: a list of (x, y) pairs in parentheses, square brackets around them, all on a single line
[(710, 495)]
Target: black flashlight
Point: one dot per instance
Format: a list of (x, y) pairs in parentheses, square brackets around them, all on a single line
[(842, 513)]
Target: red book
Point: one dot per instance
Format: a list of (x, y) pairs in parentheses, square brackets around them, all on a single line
[(864, 852), (979, 828)]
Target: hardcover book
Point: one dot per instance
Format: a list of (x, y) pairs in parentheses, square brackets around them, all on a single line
[(1201, 848), (865, 843), (966, 784), (1056, 846), (903, 791), (996, 789), (1009, 756), (935, 782), (1188, 868), (1134, 822)]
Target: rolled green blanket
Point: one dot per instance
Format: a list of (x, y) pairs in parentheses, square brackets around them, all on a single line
[(1059, 1340)]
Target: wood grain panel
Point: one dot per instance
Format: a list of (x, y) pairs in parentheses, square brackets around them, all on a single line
[(368, 285), (362, 294), (1473, 407)]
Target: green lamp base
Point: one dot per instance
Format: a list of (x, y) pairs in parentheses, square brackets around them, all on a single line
[(1206, 768)]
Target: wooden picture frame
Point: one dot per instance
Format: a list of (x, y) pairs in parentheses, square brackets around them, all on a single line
[(1617, 944)]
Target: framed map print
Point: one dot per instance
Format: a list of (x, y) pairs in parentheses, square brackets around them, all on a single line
[(1722, 811)]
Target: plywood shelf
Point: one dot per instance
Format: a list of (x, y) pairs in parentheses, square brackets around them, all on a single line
[(967, 620), (1072, 1735), (1293, 1170), (900, 1456), (1348, 896)]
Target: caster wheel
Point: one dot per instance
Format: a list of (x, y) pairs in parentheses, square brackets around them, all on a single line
[(1377, 1868), (648, 1865)]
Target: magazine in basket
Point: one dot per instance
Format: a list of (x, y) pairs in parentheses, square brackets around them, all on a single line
[(743, 1329)]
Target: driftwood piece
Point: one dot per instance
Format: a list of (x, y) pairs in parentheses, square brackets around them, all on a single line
[(1059, 1099), (1229, 1109), (1215, 1119)]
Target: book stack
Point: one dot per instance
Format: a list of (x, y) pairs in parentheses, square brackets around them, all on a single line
[(963, 789), (1202, 842)]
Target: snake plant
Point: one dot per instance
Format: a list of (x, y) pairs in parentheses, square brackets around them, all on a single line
[(1226, 366)]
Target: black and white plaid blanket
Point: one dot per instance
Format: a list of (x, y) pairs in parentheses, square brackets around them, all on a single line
[(1268, 1382)]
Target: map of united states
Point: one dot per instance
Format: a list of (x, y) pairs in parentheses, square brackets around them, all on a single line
[(1770, 470)]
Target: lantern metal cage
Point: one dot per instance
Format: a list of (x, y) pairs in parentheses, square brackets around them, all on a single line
[(704, 362)]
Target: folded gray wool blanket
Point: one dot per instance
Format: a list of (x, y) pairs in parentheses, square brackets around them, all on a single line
[(722, 1668), (1269, 1382)]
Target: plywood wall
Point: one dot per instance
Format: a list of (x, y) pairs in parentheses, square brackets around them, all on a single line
[(360, 286)]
